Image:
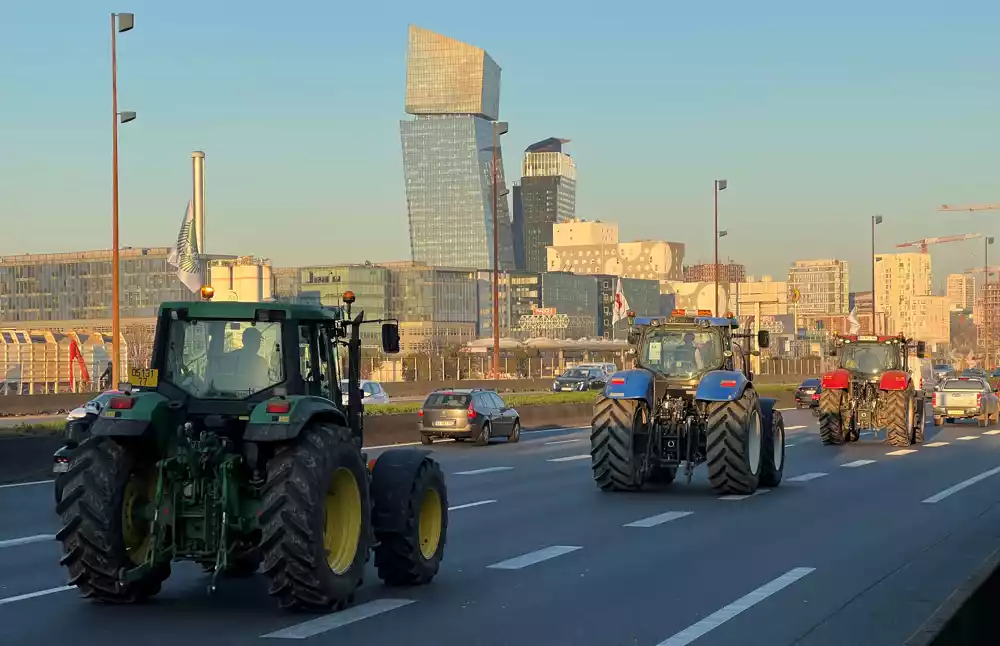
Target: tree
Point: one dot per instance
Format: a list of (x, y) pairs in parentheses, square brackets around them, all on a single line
[(138, 339)]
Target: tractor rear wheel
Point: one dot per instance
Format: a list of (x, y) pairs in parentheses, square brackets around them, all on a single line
[(831, 416), (409, 549), (613, 458), (106, 525), (734, 444), (315, 519), (919, 432), (773, 458), (899, 417)]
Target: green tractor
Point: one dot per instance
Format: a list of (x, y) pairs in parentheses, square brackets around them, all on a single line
[(234, 451)]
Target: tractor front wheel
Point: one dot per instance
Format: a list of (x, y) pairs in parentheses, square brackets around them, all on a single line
[(104, 509), (315, 519), (899, 417)]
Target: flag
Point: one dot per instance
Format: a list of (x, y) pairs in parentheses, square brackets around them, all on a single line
[(185, 256), (621, 304), (852, 318)]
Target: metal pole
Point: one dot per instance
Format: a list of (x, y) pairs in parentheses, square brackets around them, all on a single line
[(198, 174), (874, 309), (115, 287), (986, 308), (716, 247), (496, 266)]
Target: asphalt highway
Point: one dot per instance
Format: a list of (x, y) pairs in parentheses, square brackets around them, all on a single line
[(859, 545)]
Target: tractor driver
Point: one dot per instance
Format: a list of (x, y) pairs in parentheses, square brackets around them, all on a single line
[(242, 369), (688, 352)]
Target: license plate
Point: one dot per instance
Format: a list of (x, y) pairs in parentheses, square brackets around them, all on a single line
[(568, 388), (952, 411), (60, 467), (448, 423)]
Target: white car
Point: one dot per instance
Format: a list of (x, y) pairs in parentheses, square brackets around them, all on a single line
[(372, 391), (94, 406)]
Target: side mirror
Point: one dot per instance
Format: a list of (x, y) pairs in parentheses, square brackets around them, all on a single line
[(763, 339), (390, 338), (921, 349), (633, 338)]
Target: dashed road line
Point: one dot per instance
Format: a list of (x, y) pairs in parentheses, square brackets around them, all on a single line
[(563, 441), (806, 477), (659, 519), (467, 505), (993, 432), (794, 428), (571, 458), (858, 463), (933, 444), (475, 472), (26, 484), (27, 540), (351, 615), (966, 438), (938, 497), (531, 558), (721, 616), (744, 496), (902, 452), (32, 595)]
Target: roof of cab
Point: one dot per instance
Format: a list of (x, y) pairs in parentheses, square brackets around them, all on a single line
[(236, 310), (718, 321)]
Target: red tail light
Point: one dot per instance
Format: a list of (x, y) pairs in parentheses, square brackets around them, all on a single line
[(728, 384), (979, 399), (933, 399), (815, 396), (472, 411), (420, 413), (122, 403), (278, 408), (618, 380)]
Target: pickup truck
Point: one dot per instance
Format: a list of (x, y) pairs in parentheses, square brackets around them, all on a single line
[(965, 398)]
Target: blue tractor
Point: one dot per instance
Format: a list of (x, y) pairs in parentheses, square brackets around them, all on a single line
[(690, 399)]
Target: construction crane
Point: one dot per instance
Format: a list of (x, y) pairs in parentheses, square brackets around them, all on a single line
[(970, 207), (928, 241)]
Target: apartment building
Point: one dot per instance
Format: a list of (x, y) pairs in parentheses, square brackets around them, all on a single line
[(899, 279), (820, 286), (961, 291)]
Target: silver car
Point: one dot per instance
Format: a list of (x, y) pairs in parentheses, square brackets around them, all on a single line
[(373, 392), (965, 398)]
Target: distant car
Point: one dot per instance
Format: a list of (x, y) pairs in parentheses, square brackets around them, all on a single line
[(580, 379), (78, 424), (373, 392), (806, 395), (465, 414), (608, 368), (942, 370)]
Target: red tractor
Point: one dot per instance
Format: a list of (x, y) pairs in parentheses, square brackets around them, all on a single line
[(871, 389)]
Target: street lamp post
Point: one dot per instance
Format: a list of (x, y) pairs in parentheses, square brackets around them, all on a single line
[(876, 219), (120, 22), (986, 303), (499, 128), (720, 185)]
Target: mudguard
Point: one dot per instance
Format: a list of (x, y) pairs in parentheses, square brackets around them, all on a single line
[(839, 379), (148, 407), (630, 384), (894, 380), (393, 473), (270, 427), (721, 386)]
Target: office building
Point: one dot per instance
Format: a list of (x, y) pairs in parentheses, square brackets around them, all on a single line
[(961, 291), (517, 226), (453, 91), (520, 295), (325, 285), (899, 279), (574, 299), (548, 196), (593, 248), (729, 272), (436, 306), (643, 298), (822, 286)]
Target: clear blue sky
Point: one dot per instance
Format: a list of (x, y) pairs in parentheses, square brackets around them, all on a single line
[(819, 116)]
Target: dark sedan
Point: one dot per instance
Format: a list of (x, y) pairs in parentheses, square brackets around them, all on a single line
[(580, 379), (807, 394)]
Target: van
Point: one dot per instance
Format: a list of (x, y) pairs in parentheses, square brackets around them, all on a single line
[(922, 373)]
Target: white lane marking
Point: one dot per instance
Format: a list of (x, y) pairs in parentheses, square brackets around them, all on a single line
[(653, 521), (338, 619), (486, 470), (27, 540), (902, 452), (563, 441), (794, 428), (933, 444), (553, 430), (968, 437), (719, 617), (961, 485), (472, 504), (32, 595), (531, 558), (571, 458), (389, 446), (744, 496), (26, 484), (995, 432), (858, 463), (806, 477)]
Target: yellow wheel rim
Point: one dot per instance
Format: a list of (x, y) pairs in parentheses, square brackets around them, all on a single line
[(343, 521), (139, 494), (429, 524)]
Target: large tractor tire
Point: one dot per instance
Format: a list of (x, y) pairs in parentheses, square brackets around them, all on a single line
[(773, 449), (614, 462), (899, 417), (105, 524), (921, 427), (411, 505), (831, 416), (734, 444), (315, 520)]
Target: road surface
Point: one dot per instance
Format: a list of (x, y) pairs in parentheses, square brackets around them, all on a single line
[(858, 546)]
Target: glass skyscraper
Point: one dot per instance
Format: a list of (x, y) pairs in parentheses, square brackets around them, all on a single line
[(453, 91), (547, 196)]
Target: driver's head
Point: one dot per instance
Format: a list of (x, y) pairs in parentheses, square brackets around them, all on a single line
[(251, 340), (689, 338)]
